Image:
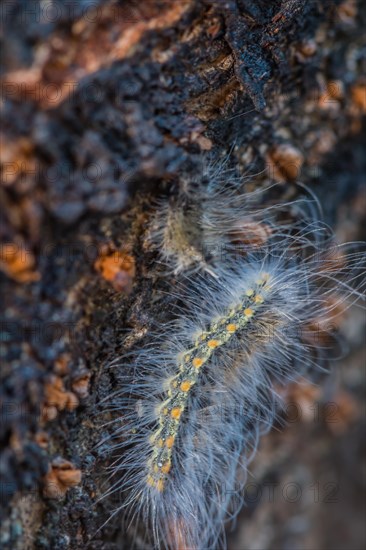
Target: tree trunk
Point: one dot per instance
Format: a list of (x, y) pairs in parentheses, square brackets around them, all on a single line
[(108, 105)]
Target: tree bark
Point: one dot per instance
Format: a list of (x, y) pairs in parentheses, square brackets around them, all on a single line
[(107, 105)]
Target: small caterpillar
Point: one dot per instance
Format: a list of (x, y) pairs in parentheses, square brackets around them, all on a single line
[(193, 401), (198, 227)]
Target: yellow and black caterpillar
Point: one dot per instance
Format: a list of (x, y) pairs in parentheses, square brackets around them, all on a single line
[(193, 401)]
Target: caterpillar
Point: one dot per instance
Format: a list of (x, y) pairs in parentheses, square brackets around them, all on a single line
[(192, 401), (211, 218)]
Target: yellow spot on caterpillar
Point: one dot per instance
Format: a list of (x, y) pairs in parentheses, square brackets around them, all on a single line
[(156, 468), (248, 312), (165, 411), (231, 327), (187, 358), (185, 385), (150, 481), (174, 384), (166, 467), (258, 299), (197, 362), (176, 412), (169, 442), (160, 485), (213, 344), (160, 442), (249, 292)]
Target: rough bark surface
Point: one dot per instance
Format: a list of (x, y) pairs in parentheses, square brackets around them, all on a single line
[(107, 105)]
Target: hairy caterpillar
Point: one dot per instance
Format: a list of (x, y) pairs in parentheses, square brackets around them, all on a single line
[(193, 401), (212, 217)]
